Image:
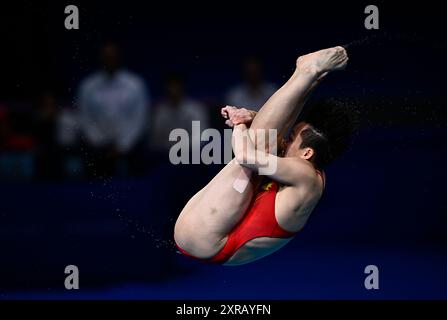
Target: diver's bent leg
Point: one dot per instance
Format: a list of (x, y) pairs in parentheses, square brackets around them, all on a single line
[(285, 103), (212, 213), (284, 106), (281, 111)]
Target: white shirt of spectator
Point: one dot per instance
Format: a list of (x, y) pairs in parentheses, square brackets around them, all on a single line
[(113, 109), (168, 118), (244, 96)]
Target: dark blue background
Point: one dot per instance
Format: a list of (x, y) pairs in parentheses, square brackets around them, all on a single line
[(385, 199)]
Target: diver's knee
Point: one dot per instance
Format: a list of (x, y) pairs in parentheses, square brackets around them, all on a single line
[(196, 240), (185, 234), (180, 233)]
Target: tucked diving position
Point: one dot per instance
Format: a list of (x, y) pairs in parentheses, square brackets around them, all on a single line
[(245, 213)]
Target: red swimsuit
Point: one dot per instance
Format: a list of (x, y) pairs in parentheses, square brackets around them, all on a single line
[(259, 221)]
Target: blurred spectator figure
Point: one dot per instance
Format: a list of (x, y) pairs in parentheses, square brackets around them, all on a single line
[(16, 144), (113, 106), (68, 138), (5, 128), (176, 110), (254, 91), (68, 128), (48, 157)]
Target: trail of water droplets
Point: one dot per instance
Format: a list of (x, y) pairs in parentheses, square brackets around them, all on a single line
[(159, 242), (113, 195)]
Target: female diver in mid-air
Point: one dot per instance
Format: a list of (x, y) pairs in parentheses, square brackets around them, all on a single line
[(242, 215)]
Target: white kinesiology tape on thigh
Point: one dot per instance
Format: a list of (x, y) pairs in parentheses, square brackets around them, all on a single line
[(242, 180)]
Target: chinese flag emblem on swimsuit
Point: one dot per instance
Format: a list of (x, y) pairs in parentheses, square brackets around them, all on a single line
[(268, 186)]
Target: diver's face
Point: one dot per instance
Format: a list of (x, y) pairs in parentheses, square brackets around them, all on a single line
[(293, 144)]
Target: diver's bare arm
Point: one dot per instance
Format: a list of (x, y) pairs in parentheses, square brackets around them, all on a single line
[(288, 171)]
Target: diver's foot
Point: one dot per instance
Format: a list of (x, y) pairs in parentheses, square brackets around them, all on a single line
[(323, 61)]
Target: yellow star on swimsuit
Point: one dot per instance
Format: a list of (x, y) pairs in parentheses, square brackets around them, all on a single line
[(268, 186)]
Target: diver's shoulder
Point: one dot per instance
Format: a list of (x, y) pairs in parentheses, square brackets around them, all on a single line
[(308, 173), (310, 183)]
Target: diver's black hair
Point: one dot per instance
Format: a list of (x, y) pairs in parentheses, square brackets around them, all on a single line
[(333, 125)]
